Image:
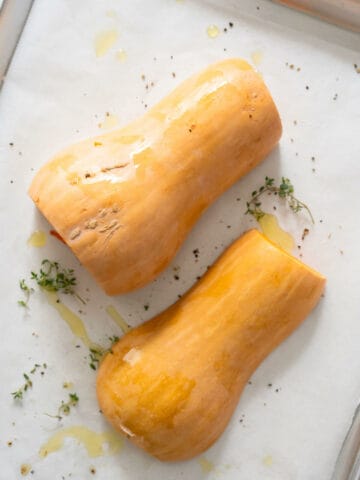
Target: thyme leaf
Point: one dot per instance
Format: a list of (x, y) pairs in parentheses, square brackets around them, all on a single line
[(55, 278), (27, 292), (65, 407), (19, 393), (285, 191)]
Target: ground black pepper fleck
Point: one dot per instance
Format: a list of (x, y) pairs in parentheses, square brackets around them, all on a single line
[(231, 24), (305, 233), (176, 277)]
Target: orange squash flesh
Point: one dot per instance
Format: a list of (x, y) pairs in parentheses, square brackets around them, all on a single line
[(125, 201), (172, 384)]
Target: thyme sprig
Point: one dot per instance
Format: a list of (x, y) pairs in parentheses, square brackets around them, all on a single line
[(55, 278), (65, 407), (19, 393), (97, 353), (27, 292), (285, 190)]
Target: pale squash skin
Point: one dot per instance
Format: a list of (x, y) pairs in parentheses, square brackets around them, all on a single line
[(125, 201), (174, 393)]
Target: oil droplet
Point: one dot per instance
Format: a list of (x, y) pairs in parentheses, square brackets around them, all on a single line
[(112, 14), (121, 55), (268, 460), (37, 239), (92, 441), (110, 121), (271, 229), (104, 41), (212, 31), (68, 385), (25, 469), (75, 323), (206, 465), (115, 315), (257, 57)]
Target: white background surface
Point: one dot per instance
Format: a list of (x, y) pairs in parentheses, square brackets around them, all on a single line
[(57, 92)]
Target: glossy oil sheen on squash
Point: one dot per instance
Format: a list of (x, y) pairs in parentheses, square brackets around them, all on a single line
[(191, 362), (132, 195)]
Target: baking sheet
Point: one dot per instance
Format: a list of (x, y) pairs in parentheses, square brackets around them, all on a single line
[(56, 92)]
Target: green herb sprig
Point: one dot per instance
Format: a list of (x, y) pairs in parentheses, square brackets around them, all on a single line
[(27, 292), (19, 393), (54, 278), (285, 190), (114, 339), (98, 353), (65, 407)]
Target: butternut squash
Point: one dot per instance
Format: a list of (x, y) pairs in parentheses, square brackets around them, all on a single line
[(172, 384), (125, 201)]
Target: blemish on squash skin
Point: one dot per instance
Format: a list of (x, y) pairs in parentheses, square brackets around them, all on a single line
[(75, 233)]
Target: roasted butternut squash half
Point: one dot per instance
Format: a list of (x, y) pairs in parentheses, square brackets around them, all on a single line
[(125, 201), (172, 384)]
